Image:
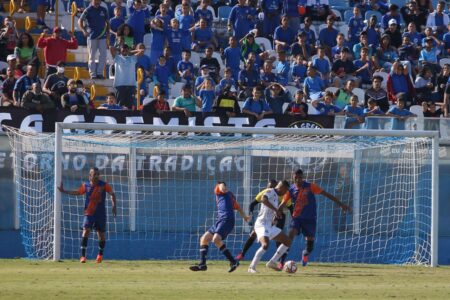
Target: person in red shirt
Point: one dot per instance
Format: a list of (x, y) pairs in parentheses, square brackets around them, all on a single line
[(55, 48)]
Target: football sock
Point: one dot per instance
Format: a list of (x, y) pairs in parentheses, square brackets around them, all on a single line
[(251, 239), (227, 253), (101, 247), (258, 255), (203, 253), (280, 251), (309, 247), (84, 242)]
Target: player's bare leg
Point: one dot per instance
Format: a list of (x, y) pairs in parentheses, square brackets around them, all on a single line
[(308, 250), (282, 249), (217, 239), (204, 245), (84, 242), (264, 241), (101, 246)]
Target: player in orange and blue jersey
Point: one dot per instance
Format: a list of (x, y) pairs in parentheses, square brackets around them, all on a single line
[(304, 217), (94, 210), (226, 204)]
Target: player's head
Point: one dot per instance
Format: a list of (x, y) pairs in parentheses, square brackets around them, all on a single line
[(298, 176), (282, 187), (222, 186), (272, 183), (94, 174)]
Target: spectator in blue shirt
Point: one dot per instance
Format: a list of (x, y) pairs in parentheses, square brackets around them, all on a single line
[(186, 21), (119, 5), (114, 24), (399, 114), (232, 57), (282, 68), (446, 40), (290, 9), (271, 10), (164, 15), (299, 70), (186, 68), (202, 37), (256, 105), (429, 56), (363, 43), (207, 95), (111, 103), (322, 64), (310, 34), (391, 15), (328, 35), (97, 31), (354, 114), (226, 82), (248, 79), (158, 40), (242, 19), (137, 20), (313, 85), (327, 108), (375, 112), (202, 12), (24, 84), (267, 76), (276, 96), (174, 39), (356, 26), (364, 67), (161, 75), (284, 36), (373, 32)]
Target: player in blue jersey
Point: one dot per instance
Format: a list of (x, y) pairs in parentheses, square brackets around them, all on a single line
[(94, 210), (304, 217), (226, 204)]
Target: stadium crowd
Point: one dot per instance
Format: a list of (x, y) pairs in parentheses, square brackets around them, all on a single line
[(372, 58)]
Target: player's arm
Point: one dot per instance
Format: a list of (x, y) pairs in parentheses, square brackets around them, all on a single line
[(343, 206), (110, 191), (266, 202), (78, 192), (286, 199), (237, 207), (252, 206)]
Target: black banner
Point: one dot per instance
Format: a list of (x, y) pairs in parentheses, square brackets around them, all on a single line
[(33, 121)]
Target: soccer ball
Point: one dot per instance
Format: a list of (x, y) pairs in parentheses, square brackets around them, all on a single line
[(290, 267)]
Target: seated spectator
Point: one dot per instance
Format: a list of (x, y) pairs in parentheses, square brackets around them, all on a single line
[(186, 68), (425, 6), (157, 106), (282, 69), (364, 67), (256, 105), (343, 95), (137, 20), (111, 103), (267, 77), (415, 37), (170, 62), (7, 88), (328, 35), (202, 37), (354, 114), (429, 56), (343, 69), (12, 63), (438, 20), (212, 63), (356, 26), (9, 37), (374, 111), (393, 31), (204, 74), (226, 103), (311, 37), (56, 84), (161, 76), (248, 79), (340, 44), (284, 36), (386, 54), (187, 102), (125, 36), (429, 34), (227, 81), (377, 94), (373, 32), (399, 113), (302, 46), (81, 89), (36, 100), (299, 70), (248, 45), (322, 64), (425, 88), (408, 51), (318, 10), (363, 43), (393, 14), (73, 100), (24, 84), (399, 81), (430, 111), (232, 57), (276, 95), (207, 95), (327, 108), (298, 107), (413, 15), (313, 86), (25, 51)]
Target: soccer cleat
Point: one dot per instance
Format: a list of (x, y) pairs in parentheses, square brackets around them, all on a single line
[(305, 259), (240, 256), (233, 266), (99, 259), (198, 268), (272, 265), (280, 265), (83, 259), (252, 270)]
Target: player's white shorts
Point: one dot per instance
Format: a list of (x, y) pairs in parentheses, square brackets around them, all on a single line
[(269, 231)]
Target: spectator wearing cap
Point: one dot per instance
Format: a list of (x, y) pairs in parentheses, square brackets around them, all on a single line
[(156, 106), (412, 14), (284, 36), (12, 63), (242, 19), (226, 103), (55, 48), (328, 35), (438, 20), (393, 14), (24, 83), (74, 100), (256, 105), (319, 10), (298, 107), (7, 88), (276, 95), (394, 32), (399, 81), (343, 69), (377, 94), (302, 46), (35, 100), (94, 23), (187, 102), (232, 57), (386, 54), (272, 11), (56, 84)]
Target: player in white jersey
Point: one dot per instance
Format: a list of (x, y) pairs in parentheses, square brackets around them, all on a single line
[(265, 228)]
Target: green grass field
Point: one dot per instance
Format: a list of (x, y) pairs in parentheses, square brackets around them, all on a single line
[(30, 279)]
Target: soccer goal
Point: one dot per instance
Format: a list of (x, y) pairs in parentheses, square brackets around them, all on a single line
[(164, 177)]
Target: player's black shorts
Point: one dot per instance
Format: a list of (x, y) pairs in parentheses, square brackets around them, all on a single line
[(92, 222)]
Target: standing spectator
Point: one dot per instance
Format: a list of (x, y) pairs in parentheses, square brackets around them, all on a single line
[(40, 13), (377, 94), (73, 100), (364, 67), (343, 69), (298, 107), (187, 102), (412, 14), (398, 82), (248, 79), (111, 103), (8, 38), (25, 51), (120, 6), (35, 99), (256, 105), (55, 48), (354, 115), (94, 23), (161, 76), (24, 83), (356, 26), (373, 32), (186, 68), (430, 111), (399, 113), (212, 63), (442, 80), (174, 40), (202, 12), (186, 21), (56, 84), (393, 32), (115, 23), (207, 95), (438, 20), (158, 105), (137, 20), (125, 76), (158, 40), (313, 85), (7, 88), (425, 89), (319, 10), (276, 96), (241, 19), (226, 103), (425, 6), (328, 35), (271, 10), (391, 15), (164, 15), (284, 36), (291, 10), (232, 57)]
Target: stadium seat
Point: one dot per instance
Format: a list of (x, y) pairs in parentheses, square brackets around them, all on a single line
[(338, 14), (347, 15), (344, 30), (175, 90), (291, 89), (369, 13), (360, 94), (444, 61), (385, 77), (312, 110), (417, 110), (195, 59), (399, 3), (211, 9), (224, 12), (331, 89), (264, 43)]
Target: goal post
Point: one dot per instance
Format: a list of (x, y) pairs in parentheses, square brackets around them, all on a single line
[(391, 177)]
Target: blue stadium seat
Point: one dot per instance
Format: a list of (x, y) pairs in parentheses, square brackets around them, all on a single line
[(224, 12), (347, 15)]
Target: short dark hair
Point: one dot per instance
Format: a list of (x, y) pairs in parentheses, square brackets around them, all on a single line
[(299, 172), (286, 183), (111, 95)]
